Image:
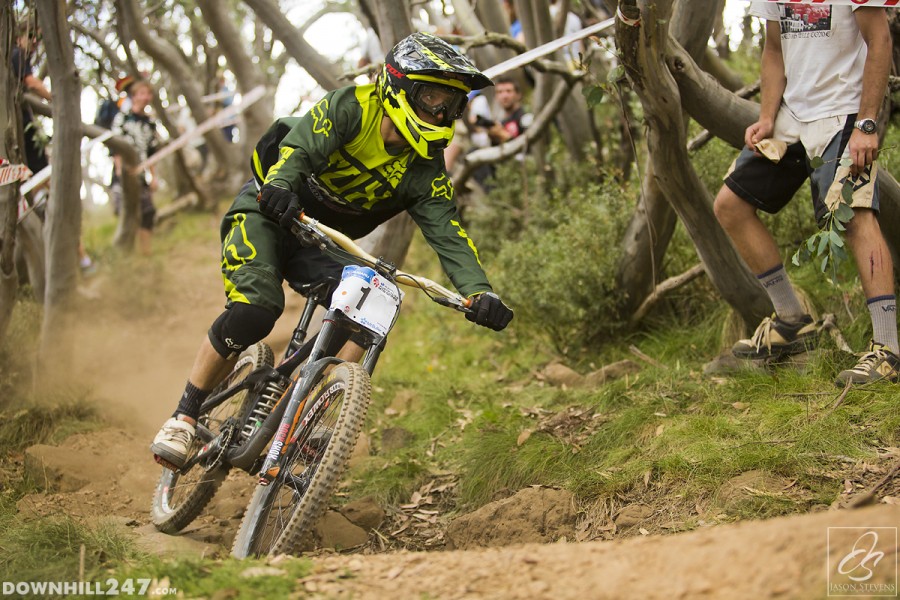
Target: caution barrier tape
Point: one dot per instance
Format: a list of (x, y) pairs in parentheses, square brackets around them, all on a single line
[(11, 173)]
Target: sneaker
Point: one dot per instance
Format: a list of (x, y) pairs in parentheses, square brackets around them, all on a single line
[(173, 441), (775, 338), (876, 364)]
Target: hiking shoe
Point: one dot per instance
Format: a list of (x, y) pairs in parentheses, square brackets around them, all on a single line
[(876, 364), (775, 338), (173, 441)]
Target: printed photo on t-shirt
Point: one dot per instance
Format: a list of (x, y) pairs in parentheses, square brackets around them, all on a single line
[(805, 21)]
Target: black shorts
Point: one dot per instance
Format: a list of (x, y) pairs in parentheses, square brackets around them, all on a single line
[(769, 186), (258, 254)]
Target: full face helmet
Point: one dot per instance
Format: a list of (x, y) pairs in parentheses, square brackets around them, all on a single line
[(425, 72)]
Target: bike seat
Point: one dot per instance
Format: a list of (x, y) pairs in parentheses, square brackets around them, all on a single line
[(305, 289)]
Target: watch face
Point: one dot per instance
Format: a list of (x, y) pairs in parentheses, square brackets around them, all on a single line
[(867, 126)]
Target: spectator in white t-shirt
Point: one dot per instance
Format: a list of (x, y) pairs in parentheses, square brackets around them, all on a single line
[(824, 75)]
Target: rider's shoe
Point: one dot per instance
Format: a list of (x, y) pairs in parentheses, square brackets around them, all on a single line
[(876, 364), (775, 338), (173, 441)]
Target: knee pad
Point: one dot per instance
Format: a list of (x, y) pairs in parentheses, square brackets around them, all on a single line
[(240, 326)]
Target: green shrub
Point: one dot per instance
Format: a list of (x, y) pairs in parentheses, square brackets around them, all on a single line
[(559, 251)]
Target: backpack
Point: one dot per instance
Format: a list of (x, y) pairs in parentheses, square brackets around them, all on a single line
[(106, 113)]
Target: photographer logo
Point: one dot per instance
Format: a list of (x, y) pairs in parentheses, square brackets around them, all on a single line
[(868, 567)]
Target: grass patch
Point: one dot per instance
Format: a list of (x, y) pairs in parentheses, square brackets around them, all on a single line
[(49, 549), (229, 578)]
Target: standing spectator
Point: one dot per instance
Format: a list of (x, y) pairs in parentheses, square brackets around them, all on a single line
[(822, 87), (28, 36), (136, 125)]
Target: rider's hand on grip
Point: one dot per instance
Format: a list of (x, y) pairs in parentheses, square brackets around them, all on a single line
[(278, 203), (489, 311)]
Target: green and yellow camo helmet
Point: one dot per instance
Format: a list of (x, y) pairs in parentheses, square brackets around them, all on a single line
[(425, 72)]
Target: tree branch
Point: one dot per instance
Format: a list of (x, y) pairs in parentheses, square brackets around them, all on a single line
[(663, 288)]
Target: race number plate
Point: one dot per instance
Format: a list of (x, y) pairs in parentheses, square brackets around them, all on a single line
[(367, 298)]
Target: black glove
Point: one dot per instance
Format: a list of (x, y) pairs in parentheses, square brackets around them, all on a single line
[(278, 203), (489, 311)]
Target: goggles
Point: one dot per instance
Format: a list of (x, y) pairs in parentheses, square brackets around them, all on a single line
[(435, 99)]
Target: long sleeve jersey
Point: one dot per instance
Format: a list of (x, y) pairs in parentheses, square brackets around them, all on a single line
[(335, 159)]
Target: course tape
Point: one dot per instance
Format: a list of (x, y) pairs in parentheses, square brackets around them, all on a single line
[(10, 173)]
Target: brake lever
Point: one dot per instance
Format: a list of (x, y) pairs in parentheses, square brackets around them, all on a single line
[(454, 304)]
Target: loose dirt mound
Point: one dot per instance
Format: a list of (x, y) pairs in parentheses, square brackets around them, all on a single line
[(790, 557), (534, 514)]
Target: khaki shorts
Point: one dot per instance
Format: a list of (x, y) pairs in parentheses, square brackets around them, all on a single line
[(770, 185)]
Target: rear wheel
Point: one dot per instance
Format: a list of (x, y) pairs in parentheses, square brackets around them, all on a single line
[(180, 497), (282, 512)]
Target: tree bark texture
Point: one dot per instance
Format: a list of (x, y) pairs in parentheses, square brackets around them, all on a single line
[(10, 124), (643, 46), (653, 223), (171, 59), (319, 68), (391, 240), (257, 117), (62, 228)]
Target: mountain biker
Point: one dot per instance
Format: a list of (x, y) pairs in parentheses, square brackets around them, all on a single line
[(360, 156)]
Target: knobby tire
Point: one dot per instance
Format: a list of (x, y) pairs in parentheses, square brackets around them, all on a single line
[(283, 512)]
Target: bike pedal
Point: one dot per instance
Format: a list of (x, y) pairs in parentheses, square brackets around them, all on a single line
[(166, 464)]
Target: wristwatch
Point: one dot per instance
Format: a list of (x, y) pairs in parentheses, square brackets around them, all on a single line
[(866, 125)]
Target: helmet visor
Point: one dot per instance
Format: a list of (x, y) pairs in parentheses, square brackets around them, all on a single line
[(436, 99)]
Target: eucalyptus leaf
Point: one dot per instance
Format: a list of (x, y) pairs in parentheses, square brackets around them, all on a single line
[(823, 243), (847, 191), (839, 254), (835, 239), (593, 95), (843, 212), (816, 162), (824, 263), (616, 74)]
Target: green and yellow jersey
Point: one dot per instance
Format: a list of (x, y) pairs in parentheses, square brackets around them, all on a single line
[(334, 159)]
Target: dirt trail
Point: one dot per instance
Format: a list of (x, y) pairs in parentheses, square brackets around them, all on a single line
[(137, 365), (788, 557)]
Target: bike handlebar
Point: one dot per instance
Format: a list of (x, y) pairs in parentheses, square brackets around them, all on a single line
[(434, 290)]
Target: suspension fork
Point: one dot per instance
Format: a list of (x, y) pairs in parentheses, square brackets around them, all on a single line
[(307, 377)]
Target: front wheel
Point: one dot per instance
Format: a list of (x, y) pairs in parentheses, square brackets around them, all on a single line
[(180, 497), (282, 512)]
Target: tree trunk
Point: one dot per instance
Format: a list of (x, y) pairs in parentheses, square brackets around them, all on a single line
[(318, 67), (391, 240), (257, 117), (475, 20), (171, 59), (9, 194), (653, 223), (643, 45), (63, 220)]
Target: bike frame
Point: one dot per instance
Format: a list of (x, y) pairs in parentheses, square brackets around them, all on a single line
[(336, 328)]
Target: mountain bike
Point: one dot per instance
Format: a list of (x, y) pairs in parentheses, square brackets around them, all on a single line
[(311, 406)]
